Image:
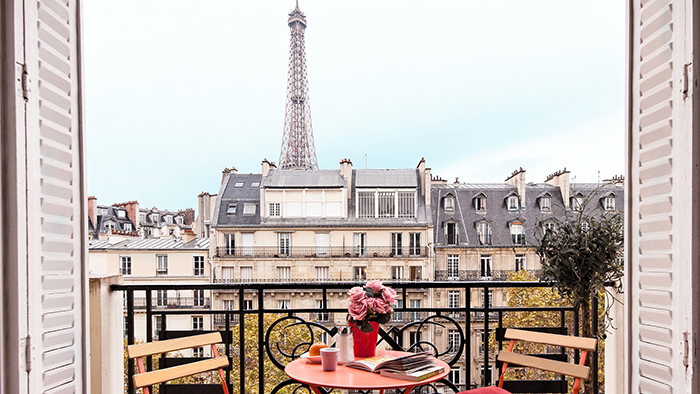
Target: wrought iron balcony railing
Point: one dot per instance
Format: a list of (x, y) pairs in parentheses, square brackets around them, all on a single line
[(172, 302), (321, 252), (258, 335), (495, 275)]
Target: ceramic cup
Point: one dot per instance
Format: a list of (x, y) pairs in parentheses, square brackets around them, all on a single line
[(329, 358)]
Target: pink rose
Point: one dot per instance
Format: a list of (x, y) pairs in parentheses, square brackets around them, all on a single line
[(389, 295), (375, 285), (358, 310), (356, 294), (378, 305)]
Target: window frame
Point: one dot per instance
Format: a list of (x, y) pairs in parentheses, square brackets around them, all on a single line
[(197, 323), (284, 273), (359, 273), (274, 209), (452, 265), (161, 264), (517, 237), (511, 200), (396, 272), (232, 208), (284, 244), (396, 244), (125, 269), (322, 273), (198, 298), (249, 209), (520, 262), (414, 248), (486, 266), (359, 244), (449, 203), (198, 271), (483, 232)]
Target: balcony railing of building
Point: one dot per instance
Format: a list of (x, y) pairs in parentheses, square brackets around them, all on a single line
[(410, 329), (469, 275), (172, 302), (321, 252)]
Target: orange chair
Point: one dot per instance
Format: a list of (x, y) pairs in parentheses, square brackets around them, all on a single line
[(578, 371), (145, 379)]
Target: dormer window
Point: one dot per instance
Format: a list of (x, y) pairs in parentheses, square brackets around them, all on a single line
[(121, 214), (577, 202), (546, 203), (480, 203), (238, 184), (449, 203), (169, 219), (513, 203), (548, 226), (610, 202), (109, 226), (231, 209), (126, 226), (451, 233), (142, 217), (483, 232), (154, 217), (516, 233), (249, 209), (178, 220)]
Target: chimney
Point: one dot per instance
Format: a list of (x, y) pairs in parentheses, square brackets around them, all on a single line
[(223, 174), (560, 179), (615, 180), (92, 210), (456, 181), (346, 170), (187, 236), (517, 179), (266, 165), (428, 185), (421, 175), (132, 212)]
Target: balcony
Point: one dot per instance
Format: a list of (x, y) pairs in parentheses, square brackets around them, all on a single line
[(321, 252), (468, 275), (172, 303), (440, 330)]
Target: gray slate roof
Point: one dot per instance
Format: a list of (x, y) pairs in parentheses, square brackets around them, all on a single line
[(497, 214), (304, 178), (110, 216), (151, 244), (239, 196), (385, 178)]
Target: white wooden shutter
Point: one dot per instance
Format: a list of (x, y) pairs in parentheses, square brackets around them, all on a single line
[(55, 199), (660, 227)]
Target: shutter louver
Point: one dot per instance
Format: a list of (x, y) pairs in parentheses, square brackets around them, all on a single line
[(55, 185), (655, 180)]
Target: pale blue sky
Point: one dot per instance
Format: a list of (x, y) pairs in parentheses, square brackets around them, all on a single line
[(176, 92)]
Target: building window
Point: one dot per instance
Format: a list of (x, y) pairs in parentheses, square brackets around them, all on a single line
[(449, 203), (284, 273), (228, 305), (238, 184), (577, 202), (109, 226), (161, 298), (489, 300), (516, 233), (548, 226), (229, 244), (232, 207), (284, 244), (452, 267), (396, 249), (284, 304), (198, 265), (321, 316), (249, 209), (162, 264), (155, 218), (414, 244), (486, 378), (386, 202), (480, 203), (413, 338), (360, 244), (512, 203), (545, 203), (125, 265), (142, 217), (157, 326), (247, 305), (483, 231), (610, 203), (322, 274), (415, 273), (365, 204), (407, 204), (197, 323), (198, 298), (255, 184), (453, 299), (455, 375), (126, 226), (274, 209), (397, 316), (169, 219), (451, 233), (520, 262), (121, 214), (125, 327), (397, 273), (486, 266), (178, 220), (323, 244), (246, 274), (415, 304), (198, 352), (227, 274), (453, 342), (359, 273)]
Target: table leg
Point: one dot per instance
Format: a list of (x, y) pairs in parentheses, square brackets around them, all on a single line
[(409, 389), (315, 389)]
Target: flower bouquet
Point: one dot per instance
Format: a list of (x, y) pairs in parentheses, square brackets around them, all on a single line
[(371, 303)]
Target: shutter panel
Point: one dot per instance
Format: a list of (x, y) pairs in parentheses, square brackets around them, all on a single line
[(55, 195), (659, 244)]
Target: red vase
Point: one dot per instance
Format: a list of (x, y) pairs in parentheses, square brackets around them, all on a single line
[(365, 343)]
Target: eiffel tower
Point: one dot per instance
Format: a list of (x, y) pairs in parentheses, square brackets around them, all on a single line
[(298, 151)]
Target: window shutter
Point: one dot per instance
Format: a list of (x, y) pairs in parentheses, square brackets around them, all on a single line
[(659, 243), (55, 199)]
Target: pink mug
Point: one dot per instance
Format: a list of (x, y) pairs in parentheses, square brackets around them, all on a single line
[(329, 358)]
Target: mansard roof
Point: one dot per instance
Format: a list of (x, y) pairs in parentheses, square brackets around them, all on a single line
[(238, 189), (305, 179), (386, 178)]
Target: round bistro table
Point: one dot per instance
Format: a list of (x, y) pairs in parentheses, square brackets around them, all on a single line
[(344, 377)]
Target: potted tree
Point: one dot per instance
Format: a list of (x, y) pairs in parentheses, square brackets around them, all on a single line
[(582, 253)]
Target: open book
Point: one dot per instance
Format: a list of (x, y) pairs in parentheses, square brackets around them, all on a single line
[(411, 362)]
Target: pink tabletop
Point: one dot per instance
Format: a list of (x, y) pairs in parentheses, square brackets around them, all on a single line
[(344, 377)]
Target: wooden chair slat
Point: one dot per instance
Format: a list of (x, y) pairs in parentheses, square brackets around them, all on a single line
[(164, 375), (171, 345), (552, 339), (575, 370)]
